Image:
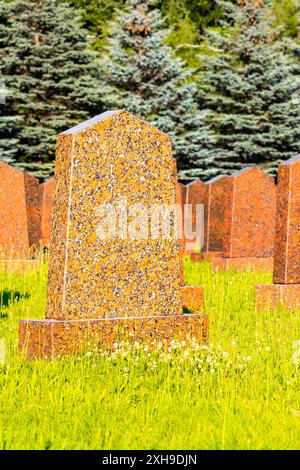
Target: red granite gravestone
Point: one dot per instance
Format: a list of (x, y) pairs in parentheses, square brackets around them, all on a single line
[(32, 197), (19, 213), (286, 276), (181, 193), (287, 240), (180, 200), (14, 240), (246, 205), (196, 193), (46, 198), (217, 214)]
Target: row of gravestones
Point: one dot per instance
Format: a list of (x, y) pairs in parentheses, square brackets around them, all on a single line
[(239, 216), (103, 290), (25, 214), (250, 222), (239, 219)]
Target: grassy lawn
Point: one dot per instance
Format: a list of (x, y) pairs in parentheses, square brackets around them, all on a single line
[(242, 392)]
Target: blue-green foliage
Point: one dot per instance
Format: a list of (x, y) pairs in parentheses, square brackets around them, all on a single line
[(146, 79), (50, 79), (251, 83)]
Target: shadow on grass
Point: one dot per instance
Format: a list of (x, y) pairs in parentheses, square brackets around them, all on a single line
[(10, 296)]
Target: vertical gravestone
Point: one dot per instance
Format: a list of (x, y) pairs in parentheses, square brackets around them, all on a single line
[(32, 198), (14, 240), (286, 276), (19, 213), (46, 201), (220, 211), (287, 240), (180, 197), (196, 194), (217, 197), (124, 283), (253, 215), (247, 221)]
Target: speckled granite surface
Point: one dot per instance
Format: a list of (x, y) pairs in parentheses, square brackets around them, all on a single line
[(46, 201), (116, 155), (14, 227), (287, 238), (241, 214), (197, 193), (286, 276), (220, 201), (253, 215), (101, 288)]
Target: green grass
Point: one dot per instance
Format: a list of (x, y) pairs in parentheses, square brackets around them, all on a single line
[(240, 393)]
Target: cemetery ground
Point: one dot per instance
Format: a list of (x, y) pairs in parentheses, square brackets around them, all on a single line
[(241, 392)]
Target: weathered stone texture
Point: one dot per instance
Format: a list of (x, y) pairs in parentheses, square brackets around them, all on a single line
[(46, 200), (99, 286), (196, 193), (14, 233), (287, 240)]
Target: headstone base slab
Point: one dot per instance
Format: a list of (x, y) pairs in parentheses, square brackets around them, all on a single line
[(205, 256), (54, 338), (243, 263), (272, 296)]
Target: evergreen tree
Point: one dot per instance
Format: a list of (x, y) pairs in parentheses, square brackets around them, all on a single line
[(96, 14), (8, 126), (187, 20), (252, 84), (145, 78), (287, 16), (50, 79)]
